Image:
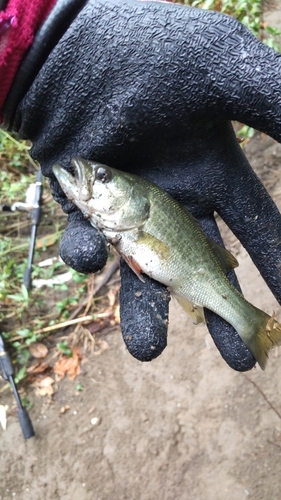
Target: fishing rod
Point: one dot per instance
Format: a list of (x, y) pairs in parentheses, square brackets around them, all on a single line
[(33, 206), (8, 374), (35, 221)]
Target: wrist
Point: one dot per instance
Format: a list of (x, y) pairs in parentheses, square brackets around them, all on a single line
[(45, 37), (19, 23)]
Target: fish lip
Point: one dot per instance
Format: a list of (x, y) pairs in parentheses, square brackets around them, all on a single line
[(77, 187), (67, 182), (79, 170), (73, 186), (83, 171)]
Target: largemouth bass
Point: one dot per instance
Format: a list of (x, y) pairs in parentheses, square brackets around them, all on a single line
[(158, 237)]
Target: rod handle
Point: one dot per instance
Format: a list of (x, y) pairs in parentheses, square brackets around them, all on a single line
[(25, 423), (6, 365), (27, 278)]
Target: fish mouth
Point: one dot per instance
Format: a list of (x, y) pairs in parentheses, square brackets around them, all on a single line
[(77, 187), (83, 172), (67, 182)]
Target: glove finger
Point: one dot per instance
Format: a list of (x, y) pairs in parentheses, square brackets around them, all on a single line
[(82, 246), (251, 214), (144, 317), (229, 343), (144, 314)]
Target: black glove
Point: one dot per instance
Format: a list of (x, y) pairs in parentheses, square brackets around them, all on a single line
[(150, 88)]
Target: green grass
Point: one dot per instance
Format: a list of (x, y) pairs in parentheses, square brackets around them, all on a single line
[(38, 315), (22, 314), (248, 12)]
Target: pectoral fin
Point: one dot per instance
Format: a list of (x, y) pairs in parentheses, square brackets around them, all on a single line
[(134, 266), (195, 312), (154, 244), (226, 260)]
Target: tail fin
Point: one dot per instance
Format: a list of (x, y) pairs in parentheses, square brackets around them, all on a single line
[(267, 336)]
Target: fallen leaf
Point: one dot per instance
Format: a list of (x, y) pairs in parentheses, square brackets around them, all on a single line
[(45, 391), (46, 241), (111, 297), (3, 416), (68, 366), (38, 370), (44, 387), (64, 409), (102, 346), (98, 326), (117, 314), (13, 411), (45, 382), (38, 367), (38, 350)]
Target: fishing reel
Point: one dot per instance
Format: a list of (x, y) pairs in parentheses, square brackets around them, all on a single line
[(32, 205)]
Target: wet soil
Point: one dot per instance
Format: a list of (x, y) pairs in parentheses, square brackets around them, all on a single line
[(184, 426)]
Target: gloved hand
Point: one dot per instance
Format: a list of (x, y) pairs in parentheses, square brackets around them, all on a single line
[(150, 87)]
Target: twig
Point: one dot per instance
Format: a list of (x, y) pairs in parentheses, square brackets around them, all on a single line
[(17, 225), (71, 322), (263, 395), (105, 331), (88, 305), (274, 444), (91, 285), (13, 249), (20, 145), (107, 275), (4, 388)]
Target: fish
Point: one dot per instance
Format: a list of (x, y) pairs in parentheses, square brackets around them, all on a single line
[(158, 237)]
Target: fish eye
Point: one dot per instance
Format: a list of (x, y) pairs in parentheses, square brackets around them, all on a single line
[(103, 174)]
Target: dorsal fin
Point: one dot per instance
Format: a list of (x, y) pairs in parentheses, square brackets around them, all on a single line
[(226, 260)]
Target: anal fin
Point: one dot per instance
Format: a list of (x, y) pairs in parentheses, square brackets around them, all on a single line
[(195, 312)]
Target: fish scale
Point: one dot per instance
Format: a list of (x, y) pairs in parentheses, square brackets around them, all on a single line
[(158, 237), (182, 270)]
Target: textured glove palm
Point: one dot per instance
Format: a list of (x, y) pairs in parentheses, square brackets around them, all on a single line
[(150, 87)]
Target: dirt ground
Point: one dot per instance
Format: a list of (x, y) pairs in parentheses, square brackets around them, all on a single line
[(183, 427)]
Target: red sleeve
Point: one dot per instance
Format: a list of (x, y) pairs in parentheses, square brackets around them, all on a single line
[(19, 23)]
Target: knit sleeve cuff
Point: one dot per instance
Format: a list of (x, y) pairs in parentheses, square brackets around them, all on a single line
[(19, 23)]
